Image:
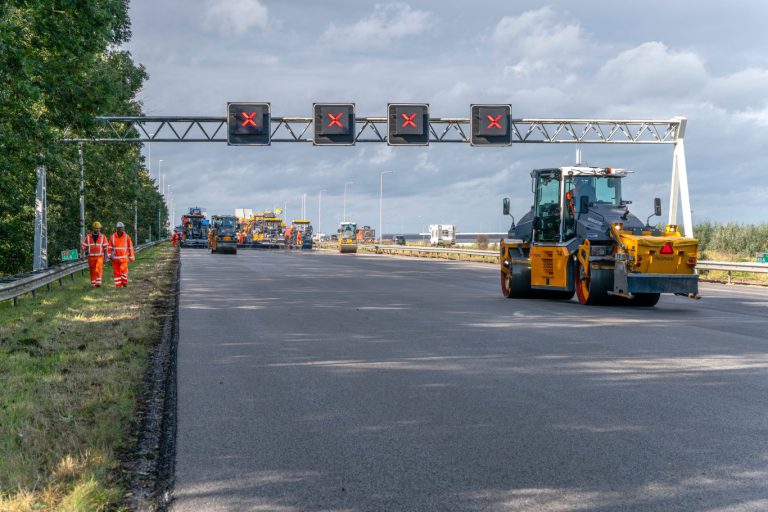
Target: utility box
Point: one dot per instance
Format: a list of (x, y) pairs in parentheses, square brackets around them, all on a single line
[(442, 234)]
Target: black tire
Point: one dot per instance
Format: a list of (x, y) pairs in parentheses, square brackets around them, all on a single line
[(645, 300), (593, 290), (553, 294), (515, 285)]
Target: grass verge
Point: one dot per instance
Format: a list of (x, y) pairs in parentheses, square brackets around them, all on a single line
[(72, 364)]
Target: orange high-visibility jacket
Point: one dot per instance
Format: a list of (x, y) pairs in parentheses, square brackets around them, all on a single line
[(98, 248), (121, 247)]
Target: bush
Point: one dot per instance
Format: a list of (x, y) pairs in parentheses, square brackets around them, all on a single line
[(482, 242)]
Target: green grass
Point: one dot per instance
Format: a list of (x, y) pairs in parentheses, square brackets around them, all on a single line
[(71, 368)]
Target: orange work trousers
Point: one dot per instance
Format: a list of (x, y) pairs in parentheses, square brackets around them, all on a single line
[(96, 264), (120, 272)]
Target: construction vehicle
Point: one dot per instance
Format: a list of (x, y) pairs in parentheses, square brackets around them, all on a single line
[(195, 228), (347, 237), (580, 237), (366, 235), (443, 235), (304, 227), (222, 236), (264, 229)]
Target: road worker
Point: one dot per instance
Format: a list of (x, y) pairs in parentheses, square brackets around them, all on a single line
[(175, 238), (121, 249), (95, 247), (298, 238), (287, 237)]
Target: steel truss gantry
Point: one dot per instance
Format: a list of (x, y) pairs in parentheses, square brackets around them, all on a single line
[(140, 129)]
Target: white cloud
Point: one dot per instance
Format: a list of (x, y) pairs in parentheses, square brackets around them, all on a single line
[(739, 90), (387, 23), (537, 37), (653, 70), (235, 17)]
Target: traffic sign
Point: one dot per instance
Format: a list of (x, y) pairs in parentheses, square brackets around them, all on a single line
[(408, 124), (490, 125), (69, 255), (249, 124), (334, 124)]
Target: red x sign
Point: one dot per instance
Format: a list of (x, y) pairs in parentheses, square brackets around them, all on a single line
[(249, 119), (409, 120), (335, 120), (494, 121)]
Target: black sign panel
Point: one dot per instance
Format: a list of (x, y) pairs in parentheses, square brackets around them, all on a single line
[(490, 125), (334, 124), (408, 124), (248, 124)]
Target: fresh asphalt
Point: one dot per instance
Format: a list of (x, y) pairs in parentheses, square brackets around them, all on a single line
[(320, 381)]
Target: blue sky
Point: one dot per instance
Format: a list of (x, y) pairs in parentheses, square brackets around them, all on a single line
[(702, 60)]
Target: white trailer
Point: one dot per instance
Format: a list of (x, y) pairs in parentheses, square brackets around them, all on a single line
[(442, 234)]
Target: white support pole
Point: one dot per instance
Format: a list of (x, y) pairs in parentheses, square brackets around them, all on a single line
[(40, 260), (679, 189), (82, 191)]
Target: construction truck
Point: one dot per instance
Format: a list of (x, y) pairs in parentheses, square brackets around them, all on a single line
[(222, 236), (347, 237), (195, 228), (580, 237), (443, 235), (366, 235), (304, 227)]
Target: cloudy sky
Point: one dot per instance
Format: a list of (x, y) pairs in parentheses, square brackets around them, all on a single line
[(706, 61)]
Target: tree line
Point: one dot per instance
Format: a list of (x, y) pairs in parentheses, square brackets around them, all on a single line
[(61, 64)]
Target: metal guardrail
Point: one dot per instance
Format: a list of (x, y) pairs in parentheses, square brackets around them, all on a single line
[(14, 286), (726, 266), (398, 249)]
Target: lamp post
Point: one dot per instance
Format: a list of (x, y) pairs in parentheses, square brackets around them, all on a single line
[(320, 210), (344, 216), (381, 204), (162, 178)]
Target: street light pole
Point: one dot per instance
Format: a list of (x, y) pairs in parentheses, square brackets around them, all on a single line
[(320, 211), (381, 204), (344, 216)]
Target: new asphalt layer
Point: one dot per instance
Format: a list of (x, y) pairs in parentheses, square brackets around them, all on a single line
[(320, 381)]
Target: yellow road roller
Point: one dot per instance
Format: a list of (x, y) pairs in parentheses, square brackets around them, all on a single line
[(347, 234), (580, 238)]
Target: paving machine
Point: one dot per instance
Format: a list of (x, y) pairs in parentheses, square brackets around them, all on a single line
[(366, 235), (347, 237), (580, 237), (222, 236), (305, 228), (195, 228), (269, 230)]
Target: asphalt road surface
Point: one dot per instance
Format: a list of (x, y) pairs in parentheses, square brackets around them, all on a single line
[(319, 381)]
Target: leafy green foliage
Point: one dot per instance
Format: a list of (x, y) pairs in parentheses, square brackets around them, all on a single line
[(60, 66), (732, 239)]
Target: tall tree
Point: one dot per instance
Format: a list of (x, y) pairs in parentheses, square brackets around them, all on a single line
[(60, 66)]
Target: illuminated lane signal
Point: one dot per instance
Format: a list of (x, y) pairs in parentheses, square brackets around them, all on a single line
[(249, 124), (408, 124), (490, 125), (334, 124)]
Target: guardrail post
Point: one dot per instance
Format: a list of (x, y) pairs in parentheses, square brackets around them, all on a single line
[(729, 277)]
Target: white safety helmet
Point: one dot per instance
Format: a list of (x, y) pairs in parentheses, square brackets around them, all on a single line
[(120, 225)]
